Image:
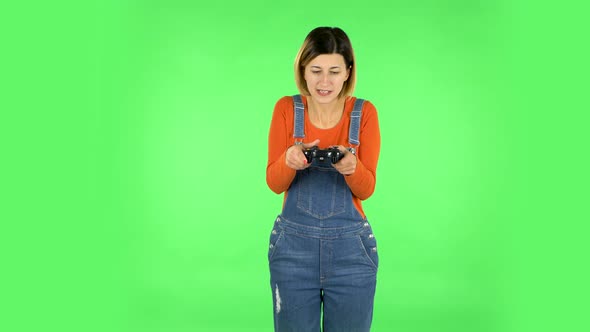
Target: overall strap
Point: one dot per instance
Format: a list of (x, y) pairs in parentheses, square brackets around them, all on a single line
[(355, 122), (299, 117)]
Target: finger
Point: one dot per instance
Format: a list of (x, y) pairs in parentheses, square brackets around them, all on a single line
[(295, 152), (294, 159), (299, 163), (309, 145), (342, 148), (301, 159)]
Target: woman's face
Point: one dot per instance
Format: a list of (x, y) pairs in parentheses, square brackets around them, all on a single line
[(325, 75)]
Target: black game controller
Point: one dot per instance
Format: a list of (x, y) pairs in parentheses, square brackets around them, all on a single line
[(332, 154)]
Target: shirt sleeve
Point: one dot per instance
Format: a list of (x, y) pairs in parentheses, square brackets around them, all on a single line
[(362, 181), (278, 175)]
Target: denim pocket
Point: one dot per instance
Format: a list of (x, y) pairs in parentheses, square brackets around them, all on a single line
[(275, 238), (322, 192), (368, 244)]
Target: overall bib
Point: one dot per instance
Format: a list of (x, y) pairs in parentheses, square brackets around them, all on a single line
[(322, 252)]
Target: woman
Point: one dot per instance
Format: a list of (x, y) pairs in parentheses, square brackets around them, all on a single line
[(322, 253)]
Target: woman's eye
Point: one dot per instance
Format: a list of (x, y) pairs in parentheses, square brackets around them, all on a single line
[(334, 72), (316, 72)]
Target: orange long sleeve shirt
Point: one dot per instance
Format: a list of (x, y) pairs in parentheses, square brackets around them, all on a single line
[(361, 183)]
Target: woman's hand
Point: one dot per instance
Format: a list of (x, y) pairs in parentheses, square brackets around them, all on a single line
[(295, 158), (346, 165)]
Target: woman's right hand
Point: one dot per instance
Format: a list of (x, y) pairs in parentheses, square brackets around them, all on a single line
[(295, 158)]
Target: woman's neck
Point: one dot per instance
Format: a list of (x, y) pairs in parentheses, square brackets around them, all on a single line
[(325, 115)]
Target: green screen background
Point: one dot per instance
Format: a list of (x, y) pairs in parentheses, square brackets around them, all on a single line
[(135, 195)]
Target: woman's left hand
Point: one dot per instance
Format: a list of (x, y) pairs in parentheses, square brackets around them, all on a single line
[(346, 165)]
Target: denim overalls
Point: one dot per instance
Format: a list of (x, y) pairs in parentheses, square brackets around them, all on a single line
[(322, 251)]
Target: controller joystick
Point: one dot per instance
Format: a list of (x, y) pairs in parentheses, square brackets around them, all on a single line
[(309, 153)]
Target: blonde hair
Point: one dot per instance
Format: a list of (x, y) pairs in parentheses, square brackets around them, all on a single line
[(325, 40)]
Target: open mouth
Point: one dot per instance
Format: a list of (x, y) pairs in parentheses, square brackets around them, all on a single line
[(324, 93)]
